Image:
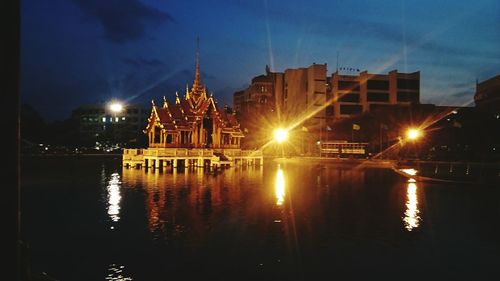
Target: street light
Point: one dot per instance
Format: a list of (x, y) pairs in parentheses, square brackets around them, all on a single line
[(116, 107), (413, 133), (280, 135)]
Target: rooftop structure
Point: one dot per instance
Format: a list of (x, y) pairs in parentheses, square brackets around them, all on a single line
[(193, 121)]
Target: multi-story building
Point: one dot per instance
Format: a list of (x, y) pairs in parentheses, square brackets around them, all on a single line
[(259, 104), (98, 122), (301, 90), (263, 94), (352, 95), (305, 92), (310, 98), (487, 96)]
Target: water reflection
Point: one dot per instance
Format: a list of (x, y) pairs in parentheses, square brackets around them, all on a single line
[(193, 199), (411, 219), (114, 197), (280, 186), (115, 273)]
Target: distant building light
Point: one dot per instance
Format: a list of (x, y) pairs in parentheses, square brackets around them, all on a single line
[(103, 119), (123, 118), (454, 112), (116, 119), (116, 106)]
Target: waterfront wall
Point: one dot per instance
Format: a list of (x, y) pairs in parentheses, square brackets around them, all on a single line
[(185, 157)]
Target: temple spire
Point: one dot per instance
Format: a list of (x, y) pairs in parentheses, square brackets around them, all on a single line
[(197, 80)]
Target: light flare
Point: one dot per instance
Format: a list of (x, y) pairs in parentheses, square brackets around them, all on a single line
[(411, 219), (410, 171), (116, 106), (280, 187), (280, 135)]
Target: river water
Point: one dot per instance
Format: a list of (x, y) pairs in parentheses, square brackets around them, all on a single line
[(92, 219)]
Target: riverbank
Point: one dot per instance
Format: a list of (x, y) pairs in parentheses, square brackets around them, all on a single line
[(373, 163), (451, 172)]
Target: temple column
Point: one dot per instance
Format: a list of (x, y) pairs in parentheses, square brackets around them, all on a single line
[(195, 135)]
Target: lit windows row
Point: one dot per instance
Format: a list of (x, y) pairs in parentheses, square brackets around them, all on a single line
[(104, 119)]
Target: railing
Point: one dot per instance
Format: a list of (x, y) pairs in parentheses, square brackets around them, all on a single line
[(185, 152)]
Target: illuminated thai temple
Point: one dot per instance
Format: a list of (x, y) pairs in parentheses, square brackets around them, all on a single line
[(193, 121), (191, 132)]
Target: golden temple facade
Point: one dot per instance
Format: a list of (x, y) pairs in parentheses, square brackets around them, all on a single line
[(193, 121)]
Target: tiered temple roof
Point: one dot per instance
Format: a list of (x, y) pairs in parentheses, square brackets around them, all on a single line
[(193, 121)]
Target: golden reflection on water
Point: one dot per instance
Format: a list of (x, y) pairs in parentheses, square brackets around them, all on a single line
[(173, 198), (411, 219), (114, 197), (280, 186)]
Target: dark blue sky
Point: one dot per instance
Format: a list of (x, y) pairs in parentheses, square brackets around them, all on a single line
[(75, 52)]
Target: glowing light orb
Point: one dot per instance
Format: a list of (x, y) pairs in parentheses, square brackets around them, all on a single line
[(280, 135), (280, 187), (116, 107), (413, 134)]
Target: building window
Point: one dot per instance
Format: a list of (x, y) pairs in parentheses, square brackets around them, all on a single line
[(378, 85), (381, 97), (104, 119), (349, 85), (349, 98)]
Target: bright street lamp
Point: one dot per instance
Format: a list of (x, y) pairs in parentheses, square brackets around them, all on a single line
[(413, 133), (116, 107), (280, 135)]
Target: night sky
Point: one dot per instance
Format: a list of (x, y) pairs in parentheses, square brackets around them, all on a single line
[(76, 52)]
